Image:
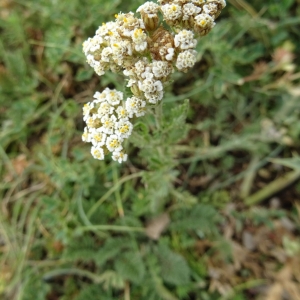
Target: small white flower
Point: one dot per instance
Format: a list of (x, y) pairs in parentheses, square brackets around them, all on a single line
[(99, 97), (93, 121), (108, 124), (117, 48), (106, 28), (125, 31), (86, 46), (86, 136), (97, 41), (149, 8), (161, 68), (99, 69), (127, 21), (154, 97), (149, 85), (220, 3), (186, 60), (114, 143), (170, 54), (123, 128), (86, 109), (97, 152), (171, 12), (97, 137), (204, 21), (211, 9), (128, 72), (114, 97), (133, 104), (185, 40), (123, 113), (105, 109), (139, 39), (89, 122), (91, 60), (106, 53), (147, 73), (139, 67), (131, 82), (121, 48), (140, 111), (119, 156), (190, 10), (92, 44), (199, 2)]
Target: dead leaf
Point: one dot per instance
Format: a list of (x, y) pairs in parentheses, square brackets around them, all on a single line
[(274, 292), (157, 225), (259, 69), (20, 163), (283, 56), (284, 284), (248, 240)]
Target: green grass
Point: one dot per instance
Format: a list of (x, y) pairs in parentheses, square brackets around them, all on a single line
[(223, 144)]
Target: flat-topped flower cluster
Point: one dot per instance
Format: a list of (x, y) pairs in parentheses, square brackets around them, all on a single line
[(147, 53)]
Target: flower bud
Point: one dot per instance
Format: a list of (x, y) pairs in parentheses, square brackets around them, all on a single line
[(135, 90), (219, 4), (189, 23), (150, 23), (204, 23)]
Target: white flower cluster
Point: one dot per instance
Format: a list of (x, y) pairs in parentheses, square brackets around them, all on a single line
[(197, 15), (147, 53), (108, 122)]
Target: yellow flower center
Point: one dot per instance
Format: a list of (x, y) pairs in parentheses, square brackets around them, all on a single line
[(114, 144), (98, 137), (124, 129), (97, 153), (137, 33)]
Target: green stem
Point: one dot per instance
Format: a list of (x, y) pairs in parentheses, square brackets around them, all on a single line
[(249, 177), (244, 286), (158, 115), (63, 272), (112, 190), (112, 228), (117, 194), (273, 188)]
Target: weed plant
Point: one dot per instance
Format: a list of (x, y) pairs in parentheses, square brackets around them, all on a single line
[(157, 227)]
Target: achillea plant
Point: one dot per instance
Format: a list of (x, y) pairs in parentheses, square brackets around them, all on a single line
[(147, 51)]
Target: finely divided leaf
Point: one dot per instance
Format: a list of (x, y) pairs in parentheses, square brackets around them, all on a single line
[(174, 268), (130, 266)]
